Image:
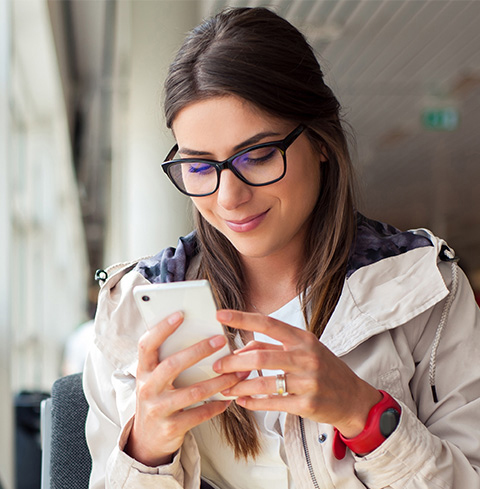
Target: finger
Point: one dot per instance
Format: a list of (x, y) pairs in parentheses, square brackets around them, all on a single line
[(289, 404), (197, 415), (266, 385), (179, 399), (170, 367), (249, 321), (259, 386), (151, 341), (260, 359), (258, 345)]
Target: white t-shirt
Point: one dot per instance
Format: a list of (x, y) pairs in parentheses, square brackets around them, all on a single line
[(269, 470)]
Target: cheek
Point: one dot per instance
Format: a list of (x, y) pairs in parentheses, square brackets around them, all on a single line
[(198, 205), (306, 184), (317, 183), (204, 206), (307, 198), (307, 191), (313, 175)]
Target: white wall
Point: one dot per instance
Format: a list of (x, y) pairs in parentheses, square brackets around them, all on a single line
[(147, 212), (6, 415), (48, 252), (43, 284)]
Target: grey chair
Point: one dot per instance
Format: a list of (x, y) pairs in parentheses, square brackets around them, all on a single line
[(66, 462)]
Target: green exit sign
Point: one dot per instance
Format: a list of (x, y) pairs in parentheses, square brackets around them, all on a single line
[(440, 119)]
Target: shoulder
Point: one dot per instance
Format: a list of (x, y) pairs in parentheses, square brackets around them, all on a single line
[(118, 324), (400, 269), (376, 241), (393, 277), (383, 254), (171, 264)]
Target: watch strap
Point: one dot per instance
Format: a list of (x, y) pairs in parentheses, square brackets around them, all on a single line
[(371, 437)]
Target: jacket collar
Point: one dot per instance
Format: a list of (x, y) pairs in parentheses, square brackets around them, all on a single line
[(376, 241), (386, 294)]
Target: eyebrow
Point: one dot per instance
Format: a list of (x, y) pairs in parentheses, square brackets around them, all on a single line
[(244, 144)]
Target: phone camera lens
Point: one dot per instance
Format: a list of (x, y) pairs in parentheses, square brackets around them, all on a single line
[(145, 298)]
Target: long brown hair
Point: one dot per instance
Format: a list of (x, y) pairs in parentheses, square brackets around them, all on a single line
[(254, 54)]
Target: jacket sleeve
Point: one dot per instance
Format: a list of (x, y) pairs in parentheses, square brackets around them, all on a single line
[(111, 397), (439, 446)]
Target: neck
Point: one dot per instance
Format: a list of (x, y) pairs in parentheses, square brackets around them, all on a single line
[(271, 281)]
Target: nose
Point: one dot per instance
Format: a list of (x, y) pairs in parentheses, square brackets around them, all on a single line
[(232, 192)]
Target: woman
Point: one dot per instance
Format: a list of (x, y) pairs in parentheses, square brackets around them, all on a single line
[(390, 395)]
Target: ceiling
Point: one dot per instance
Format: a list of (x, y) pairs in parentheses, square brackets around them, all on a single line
[(387, 61)]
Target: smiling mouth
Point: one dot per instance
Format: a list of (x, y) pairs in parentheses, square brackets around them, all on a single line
[(247, 219), (247, 224)]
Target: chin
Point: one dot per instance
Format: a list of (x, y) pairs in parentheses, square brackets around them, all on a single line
[(249, 248), (249, 245)]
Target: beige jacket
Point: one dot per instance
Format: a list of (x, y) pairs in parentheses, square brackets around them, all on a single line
[(398, 325)]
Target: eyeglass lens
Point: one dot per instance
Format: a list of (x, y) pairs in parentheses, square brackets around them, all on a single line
[(258, 166)]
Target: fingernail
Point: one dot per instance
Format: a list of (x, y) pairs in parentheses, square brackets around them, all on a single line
[(217, 341), (241, 401), (242, 375), (174, 318), (224, 316)]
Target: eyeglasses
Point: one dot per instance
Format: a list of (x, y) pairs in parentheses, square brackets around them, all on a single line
[(258, 165)]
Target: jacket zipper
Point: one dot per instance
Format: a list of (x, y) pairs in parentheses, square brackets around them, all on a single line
[(208, 482), (307, 454)]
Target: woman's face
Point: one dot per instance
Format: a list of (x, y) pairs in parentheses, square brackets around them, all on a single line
[(258, 221)]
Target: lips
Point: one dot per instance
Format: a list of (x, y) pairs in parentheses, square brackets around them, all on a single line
[(247, 224)]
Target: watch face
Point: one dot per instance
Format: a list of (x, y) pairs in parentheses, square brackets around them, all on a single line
[(389, 421)]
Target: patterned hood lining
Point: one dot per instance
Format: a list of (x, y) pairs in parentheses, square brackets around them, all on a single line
[(374, 241)]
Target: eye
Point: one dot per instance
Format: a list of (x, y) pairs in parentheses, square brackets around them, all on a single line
[(200, 168), (258, 156)]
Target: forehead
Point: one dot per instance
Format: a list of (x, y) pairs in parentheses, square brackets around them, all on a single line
[(217, 124)]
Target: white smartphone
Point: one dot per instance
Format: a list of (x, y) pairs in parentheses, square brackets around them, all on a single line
[(194, 298)]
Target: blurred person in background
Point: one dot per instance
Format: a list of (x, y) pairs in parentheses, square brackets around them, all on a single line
[(368, 337), (76, 348), (81, 339)]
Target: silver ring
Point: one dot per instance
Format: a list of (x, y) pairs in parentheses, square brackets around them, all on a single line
[(281, 385)]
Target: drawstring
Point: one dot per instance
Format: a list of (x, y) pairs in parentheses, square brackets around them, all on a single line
[(443, 320)]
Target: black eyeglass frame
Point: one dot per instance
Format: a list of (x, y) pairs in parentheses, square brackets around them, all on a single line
[(282, 145)]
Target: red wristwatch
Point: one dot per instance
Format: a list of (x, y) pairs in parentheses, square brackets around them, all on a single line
[(381, 422)]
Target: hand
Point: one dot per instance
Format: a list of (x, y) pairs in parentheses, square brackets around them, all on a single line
[(320, 386), (161, 419)]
